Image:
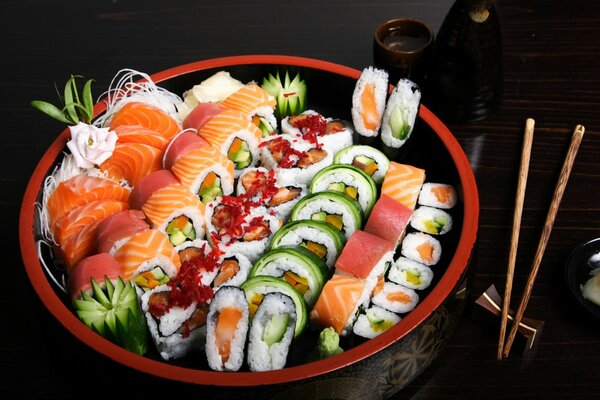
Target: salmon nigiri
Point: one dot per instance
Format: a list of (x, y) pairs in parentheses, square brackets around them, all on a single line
[(146, 115), (403, 183), (253, 101), (132, 161), (140, 134), (80, 190)]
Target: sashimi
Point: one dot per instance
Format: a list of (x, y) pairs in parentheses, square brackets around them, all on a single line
[(200, 115), (249, 99), (337, 302), (79, 246), (140, 134), (148, 185), (146, 115), (362, 253), (119, 227), (388, 220), (80, 190), (160, 206), (403, 183), (131, 162), (180, 145), (97, 267)]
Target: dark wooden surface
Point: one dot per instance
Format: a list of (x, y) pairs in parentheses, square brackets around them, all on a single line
[(552, 74)]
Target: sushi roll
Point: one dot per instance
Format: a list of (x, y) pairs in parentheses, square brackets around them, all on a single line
[(262, 186), (203, 170), (367, 158), (431, 220), (400, 113), (271, 333), (403, 183), (437, 195), (231, 227), (421, 247), (349, 180), (388, 220), (368, 101), (410, 274), (226, 329), (257, 287), (338, 303), (374, 321), (256, 103), (395, 298), (148, 259), (295, 161), (175, 330), (330, 134), (233, 270), (235, 137), (340, 211), (204, 259), (319, 237), (115, 230), (300, 267)]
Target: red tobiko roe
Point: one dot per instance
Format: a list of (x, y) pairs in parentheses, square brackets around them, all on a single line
[(280, 145), (264, 185), (311, 126), (186, 286)]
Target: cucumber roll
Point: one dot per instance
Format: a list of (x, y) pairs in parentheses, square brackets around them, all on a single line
[(411, 274), (257, 287), (300, 267), (431, 220), (400, 113), (374, 321), (340, 211), (319, 237), (349, 180), (227, 327), (271, 333), (367, 158)]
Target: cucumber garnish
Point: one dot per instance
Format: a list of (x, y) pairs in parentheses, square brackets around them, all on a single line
[(290, 94)]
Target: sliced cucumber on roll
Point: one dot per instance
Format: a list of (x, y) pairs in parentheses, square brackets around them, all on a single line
[(300, 267), (349, 180), (367, 158)]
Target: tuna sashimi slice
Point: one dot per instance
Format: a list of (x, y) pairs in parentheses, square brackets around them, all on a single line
[(119, 227), (180, 145), (149, 184), (200, 115), (388, 220), (97, 266), (362, 253)]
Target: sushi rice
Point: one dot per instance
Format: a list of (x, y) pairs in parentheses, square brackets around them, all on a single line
[(374, 321), (410, 273)]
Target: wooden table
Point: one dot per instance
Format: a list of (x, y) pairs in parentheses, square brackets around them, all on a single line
[(552, 74)]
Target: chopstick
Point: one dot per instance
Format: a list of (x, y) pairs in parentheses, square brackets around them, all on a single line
[(514, 241), (556, 198)]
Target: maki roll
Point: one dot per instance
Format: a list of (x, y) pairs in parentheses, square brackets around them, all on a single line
[(410, 274), (257, 287), (340, 211), (271, 333), (328, 133), (226, 329), (400, 113), (395, 298), (431, 220), (367, 158), (368, 101), (422, 248), (319, 237), (300, 267), (374, 321), (437, 195), (349, 180), (233, 270)]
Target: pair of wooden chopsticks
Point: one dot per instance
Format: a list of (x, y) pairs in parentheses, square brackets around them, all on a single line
[(504, 348)]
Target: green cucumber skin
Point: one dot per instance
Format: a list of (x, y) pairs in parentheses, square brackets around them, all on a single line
[(338, 238), (349, 203)]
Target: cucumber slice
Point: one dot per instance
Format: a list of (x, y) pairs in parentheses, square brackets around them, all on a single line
[(177, 237), (275, 328), (337, 186), (210, 194), (267, 284), (400, 128)]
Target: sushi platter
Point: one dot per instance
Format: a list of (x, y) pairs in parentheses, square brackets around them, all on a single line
[(252, 220)]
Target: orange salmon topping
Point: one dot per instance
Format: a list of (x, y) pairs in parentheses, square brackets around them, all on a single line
[(228, 271), (225, 330), (369, 112), (442, 194), (379, 287), (425, 251), (398, 296)]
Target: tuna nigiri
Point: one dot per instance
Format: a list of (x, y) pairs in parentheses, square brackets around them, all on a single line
[(388, 220), (97, 267), (180, 145), (115, 230), (148, 185), (146, 115)]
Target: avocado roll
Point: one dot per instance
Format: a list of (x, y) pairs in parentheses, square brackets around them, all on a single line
[(349, 180), (271, 333), (319, 237), (227, 327), (257, 287), (368, 101), (300, 267), (410, 274), (340, 211), (374, 321), (367, 158), (400, 113), (431, 220)]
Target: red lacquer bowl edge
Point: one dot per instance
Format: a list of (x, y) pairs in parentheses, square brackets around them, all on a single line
[(442, 290)]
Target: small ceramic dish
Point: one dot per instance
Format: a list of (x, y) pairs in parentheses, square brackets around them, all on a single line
[(584, 259)]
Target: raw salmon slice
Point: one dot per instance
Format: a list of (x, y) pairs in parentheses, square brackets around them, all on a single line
[(146, 115), (197, 163), (140, 134), (248, 100), (403, 183), (220, 128), (119, 227), (161, 205), (132, 161), (180, 145), (337, 302), (80, 190)]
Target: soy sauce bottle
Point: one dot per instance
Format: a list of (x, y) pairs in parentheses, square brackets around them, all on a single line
[(468, 62)]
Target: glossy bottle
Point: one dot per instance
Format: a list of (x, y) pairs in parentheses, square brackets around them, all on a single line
[(468, 62)]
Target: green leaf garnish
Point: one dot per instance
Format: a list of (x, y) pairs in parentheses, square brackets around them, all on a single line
[(75, 108)]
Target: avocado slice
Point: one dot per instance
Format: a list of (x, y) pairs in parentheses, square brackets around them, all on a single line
[(320, 216), (177, 237), (336, 186), (275, 328)]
